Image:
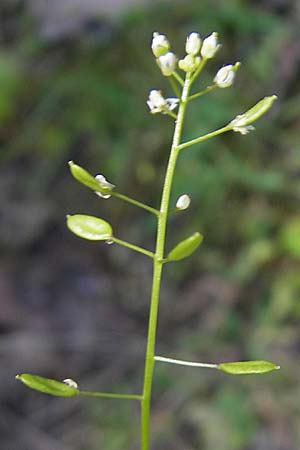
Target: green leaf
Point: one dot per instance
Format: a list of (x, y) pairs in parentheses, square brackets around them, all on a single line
[(89, 227), (84, 177), (248, 367), (254, 113), (47, 385), (185, 248)]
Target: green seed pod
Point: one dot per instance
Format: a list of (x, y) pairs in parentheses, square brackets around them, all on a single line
[(83, 176), (89, 227), (48, 386), (242, 121), (248, 367), (185, 248)]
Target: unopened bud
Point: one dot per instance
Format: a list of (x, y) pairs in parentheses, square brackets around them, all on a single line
[(225, 76), (189, 63), (167, 63), (183, 202), (193, 44), (160, 44), (210, 46)]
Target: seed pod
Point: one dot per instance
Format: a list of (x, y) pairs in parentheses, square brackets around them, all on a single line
[(185, 248), (89, 227), (248, 367), (47, 385)]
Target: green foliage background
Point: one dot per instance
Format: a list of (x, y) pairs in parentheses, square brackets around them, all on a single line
[(82, 97)]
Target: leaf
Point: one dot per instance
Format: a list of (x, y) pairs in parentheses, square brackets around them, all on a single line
[(254, 113), (185, 248), (47, 385), (89, 227), (83, 176), (248, 367)]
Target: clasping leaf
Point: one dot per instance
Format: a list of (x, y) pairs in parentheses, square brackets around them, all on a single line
[(248, 367), (89, 227), (185, 248), (47, 385)]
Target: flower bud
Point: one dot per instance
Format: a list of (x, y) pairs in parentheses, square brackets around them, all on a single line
[(167, 63), (189, 63), (193, 44), (160, 44), (105, 185), (183, 202), (225, 76), (210, 46)]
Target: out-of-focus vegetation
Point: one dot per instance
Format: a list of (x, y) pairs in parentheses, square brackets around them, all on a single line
[(70, 309)]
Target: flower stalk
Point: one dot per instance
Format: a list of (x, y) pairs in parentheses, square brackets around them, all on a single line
[(96, 229)]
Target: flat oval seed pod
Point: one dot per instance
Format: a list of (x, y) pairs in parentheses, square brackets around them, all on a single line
[(84, 177), (47, 385), (248, 367), (89, 227), (185, 248)]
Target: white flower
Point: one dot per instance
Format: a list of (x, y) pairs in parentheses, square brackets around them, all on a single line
[(183, 202), (189, 63), (193, 44), (160, 44), (243, 129), (156, 101), (171, 103), (71, 383), (167, 63), (239, 125), (105, 185), (225, 76), (158, 104), (210, 46)]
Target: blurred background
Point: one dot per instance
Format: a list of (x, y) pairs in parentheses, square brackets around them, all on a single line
[(74, 78)]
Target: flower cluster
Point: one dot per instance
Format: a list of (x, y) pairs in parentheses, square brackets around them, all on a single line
[(197, 52)]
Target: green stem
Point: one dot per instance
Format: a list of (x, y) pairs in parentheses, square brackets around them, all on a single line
[(205, 137), (201, 65), (136, 248), (134, 202), (186, 363), (170, 113), (157, 268), (205, 91), (174, 87), (108, 395), (178, 78)]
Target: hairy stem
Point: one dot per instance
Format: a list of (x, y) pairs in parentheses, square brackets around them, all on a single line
[(157, 268)]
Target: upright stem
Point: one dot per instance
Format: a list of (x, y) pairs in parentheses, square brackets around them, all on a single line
[(157, 268)]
